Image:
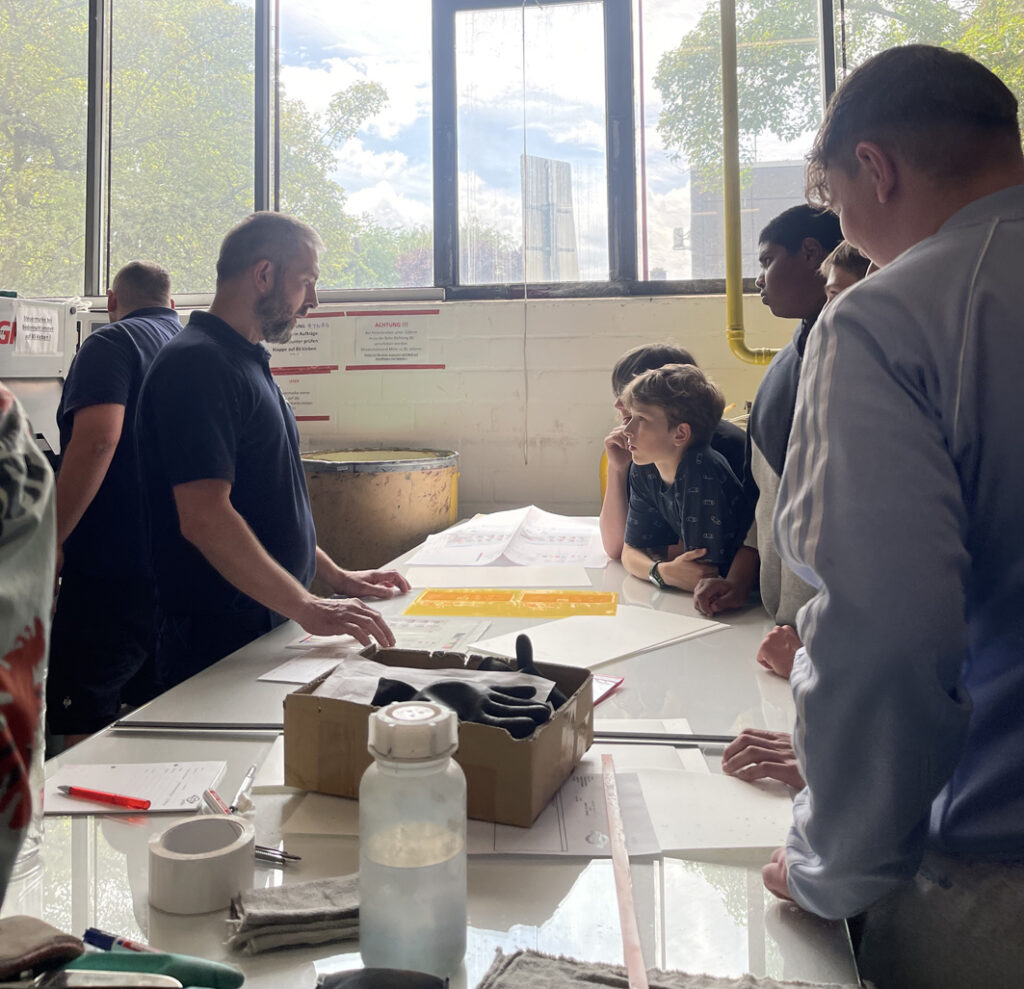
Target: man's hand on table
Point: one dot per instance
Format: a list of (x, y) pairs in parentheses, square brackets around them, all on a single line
[(757, 754), (344, 616), (778, 649), (369, 583), (775, 875), (713, 595)]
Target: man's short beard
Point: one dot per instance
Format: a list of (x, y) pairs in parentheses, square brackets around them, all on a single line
[(276, 323)]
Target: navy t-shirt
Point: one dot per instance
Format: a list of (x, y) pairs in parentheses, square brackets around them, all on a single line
[(210, 409), (110, 538), (705, 507), (730, 441)]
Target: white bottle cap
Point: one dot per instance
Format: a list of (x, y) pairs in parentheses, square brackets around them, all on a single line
[(413, 730)]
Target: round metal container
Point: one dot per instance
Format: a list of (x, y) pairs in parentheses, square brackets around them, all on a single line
[(369, 506)]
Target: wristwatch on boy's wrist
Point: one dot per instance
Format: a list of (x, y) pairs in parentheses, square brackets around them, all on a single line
[(654, 576)]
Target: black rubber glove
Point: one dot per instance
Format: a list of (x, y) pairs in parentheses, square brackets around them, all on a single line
[(524, 660)]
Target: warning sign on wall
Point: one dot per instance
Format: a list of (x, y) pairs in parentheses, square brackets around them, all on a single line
[(396, 339)]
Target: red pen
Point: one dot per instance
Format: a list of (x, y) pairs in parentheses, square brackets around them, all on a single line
[(102, 797)]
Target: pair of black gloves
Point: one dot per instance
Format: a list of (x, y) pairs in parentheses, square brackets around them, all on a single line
[(512, 708)]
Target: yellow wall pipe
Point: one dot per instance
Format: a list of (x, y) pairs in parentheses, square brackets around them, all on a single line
[(731, 171)]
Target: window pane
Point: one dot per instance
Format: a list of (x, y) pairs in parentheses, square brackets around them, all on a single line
[(354, 157), (181, 132), (779, 110), (991, 31), (42, 146), (543, 188)]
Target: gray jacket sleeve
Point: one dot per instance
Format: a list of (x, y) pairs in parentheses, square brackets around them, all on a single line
[(870, 510)]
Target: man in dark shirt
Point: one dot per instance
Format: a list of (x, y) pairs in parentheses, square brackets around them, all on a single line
[(234, 546), (104, 629)]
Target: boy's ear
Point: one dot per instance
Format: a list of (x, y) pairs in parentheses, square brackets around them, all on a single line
[(812, 252), (682, 434)]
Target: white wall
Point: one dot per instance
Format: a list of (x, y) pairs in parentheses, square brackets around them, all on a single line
[(534, 435)]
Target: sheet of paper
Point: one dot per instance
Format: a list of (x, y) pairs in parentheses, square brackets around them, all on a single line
[(704, 811), (512, 602), (169, 786), (574, 823), (302, 669), (508, 576), (319, 814), (526, 536), (590, 640), (604, 685)]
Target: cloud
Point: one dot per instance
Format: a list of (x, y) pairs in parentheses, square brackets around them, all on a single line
[(389, 206)]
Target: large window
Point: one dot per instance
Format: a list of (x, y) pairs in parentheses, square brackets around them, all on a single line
[(181, 127), (485, 147), (45, 56), (354, 120)]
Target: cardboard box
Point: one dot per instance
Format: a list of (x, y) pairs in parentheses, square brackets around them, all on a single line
[(508, 780)]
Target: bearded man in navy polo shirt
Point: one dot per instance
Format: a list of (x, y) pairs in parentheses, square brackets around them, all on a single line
[(233, 542)]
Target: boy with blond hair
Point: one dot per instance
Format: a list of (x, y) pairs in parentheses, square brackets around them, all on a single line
[(682, 493)]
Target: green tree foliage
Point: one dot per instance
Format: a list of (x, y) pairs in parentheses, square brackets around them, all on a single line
[(42, 144), (778, 69)]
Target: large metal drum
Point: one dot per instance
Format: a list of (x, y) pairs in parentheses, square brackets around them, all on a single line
[(371, 505)]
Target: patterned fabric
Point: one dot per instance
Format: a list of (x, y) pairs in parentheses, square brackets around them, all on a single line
[(704, 508), (27, 558)]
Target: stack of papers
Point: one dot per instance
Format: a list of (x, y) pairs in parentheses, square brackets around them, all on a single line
[(590, 640), (524, 536), (168, 786)]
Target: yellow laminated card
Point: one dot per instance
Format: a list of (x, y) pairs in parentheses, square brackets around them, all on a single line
[(504, 602)]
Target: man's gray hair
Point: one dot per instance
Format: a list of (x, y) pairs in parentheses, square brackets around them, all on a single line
[(264, 236)]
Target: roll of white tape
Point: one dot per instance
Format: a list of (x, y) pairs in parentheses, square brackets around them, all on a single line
[(196, 866)]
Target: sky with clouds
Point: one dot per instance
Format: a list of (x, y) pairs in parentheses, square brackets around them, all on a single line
[(386, 168)]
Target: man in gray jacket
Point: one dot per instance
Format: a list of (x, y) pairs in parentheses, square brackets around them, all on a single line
[(902, 502)]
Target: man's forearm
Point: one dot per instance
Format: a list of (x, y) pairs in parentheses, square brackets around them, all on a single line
[(84, 466), (232, 549)]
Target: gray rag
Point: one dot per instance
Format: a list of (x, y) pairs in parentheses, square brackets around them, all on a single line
[(528, 968), (302, 913)]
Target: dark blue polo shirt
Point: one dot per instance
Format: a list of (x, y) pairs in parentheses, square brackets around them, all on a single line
[(704, 508), (110, 538), (210, 409)]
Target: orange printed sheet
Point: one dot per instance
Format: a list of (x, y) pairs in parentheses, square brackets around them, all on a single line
[(501, 602)]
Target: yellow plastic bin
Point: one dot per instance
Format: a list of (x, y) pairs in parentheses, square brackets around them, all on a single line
[(369, 506)]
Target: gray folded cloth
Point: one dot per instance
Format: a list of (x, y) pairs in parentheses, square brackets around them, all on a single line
[(529, 968), (302, 913)]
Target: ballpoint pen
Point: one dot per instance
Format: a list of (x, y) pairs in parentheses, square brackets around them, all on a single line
[(102, 797), (246, 783)]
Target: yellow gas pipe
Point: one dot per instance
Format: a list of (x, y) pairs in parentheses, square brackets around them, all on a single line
[(731, 172)]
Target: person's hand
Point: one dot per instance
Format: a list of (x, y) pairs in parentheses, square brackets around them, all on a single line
[(616, 445), (687, 570), (714, 595), (370, 583), (344, 616), (763, 755), (775, 875), (778, 648)]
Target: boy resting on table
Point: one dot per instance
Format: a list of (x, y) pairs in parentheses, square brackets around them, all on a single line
[(683, 494), (728, 439)]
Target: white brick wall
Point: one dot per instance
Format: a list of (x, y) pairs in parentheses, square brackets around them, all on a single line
[(476, 405)]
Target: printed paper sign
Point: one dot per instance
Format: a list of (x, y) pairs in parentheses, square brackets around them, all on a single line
[(38, 330), (393, 340)]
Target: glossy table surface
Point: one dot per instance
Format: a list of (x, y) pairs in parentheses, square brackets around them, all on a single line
[(697, 914)]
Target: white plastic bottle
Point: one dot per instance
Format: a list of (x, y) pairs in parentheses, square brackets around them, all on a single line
[(412, 842)]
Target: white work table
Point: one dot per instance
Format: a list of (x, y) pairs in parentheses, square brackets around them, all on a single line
[(707, 914)]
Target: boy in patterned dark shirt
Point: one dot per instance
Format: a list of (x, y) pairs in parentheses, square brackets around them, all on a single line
[(687, 510)]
